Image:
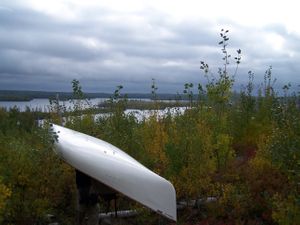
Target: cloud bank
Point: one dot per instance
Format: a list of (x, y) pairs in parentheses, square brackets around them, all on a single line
[(44, 49)]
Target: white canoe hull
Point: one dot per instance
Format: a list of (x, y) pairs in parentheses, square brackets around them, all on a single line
[(116, 169)]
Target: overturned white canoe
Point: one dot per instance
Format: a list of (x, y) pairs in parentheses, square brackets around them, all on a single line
[(116, 169)]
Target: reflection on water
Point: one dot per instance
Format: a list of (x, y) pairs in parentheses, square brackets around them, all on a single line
[(140, 115), (44, 104)]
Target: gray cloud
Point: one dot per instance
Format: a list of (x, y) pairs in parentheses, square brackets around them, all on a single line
[(103, 49)]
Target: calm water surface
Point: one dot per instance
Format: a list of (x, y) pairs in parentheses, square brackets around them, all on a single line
[(44, 105)]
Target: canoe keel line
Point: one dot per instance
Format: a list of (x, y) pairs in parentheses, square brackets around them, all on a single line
[(116, 169)]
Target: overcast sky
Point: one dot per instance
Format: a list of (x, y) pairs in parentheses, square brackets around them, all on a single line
[(45, 44)]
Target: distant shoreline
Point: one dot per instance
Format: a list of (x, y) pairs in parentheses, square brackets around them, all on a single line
[(14, 95), (14, 99)]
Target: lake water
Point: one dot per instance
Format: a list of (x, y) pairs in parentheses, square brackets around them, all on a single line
[(44, 104)]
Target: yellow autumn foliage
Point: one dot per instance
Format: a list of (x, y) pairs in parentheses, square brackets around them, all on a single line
[(5, 193), (196, 157), (155, 138), (286, 210)]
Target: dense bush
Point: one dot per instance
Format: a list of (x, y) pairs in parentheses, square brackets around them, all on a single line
[(34, 181)]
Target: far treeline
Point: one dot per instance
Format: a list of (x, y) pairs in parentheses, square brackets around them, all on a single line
[(14, 95), (233, 163)]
